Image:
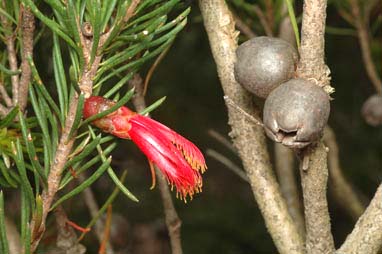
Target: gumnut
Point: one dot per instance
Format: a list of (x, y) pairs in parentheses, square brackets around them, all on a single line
[(372, 110), (263, 63), (296, 113)]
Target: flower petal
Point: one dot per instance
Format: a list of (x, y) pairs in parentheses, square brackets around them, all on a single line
[(159, 149), (191, 153)]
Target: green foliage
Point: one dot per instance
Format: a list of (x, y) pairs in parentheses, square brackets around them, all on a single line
[(122, 43)]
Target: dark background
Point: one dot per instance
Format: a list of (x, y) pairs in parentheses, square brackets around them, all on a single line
[(225, 217)]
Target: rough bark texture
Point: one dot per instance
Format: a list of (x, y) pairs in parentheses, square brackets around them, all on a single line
[(248, 138), (364, 41), (319, 239), (27, 46), (366, 238), (314, 175), (312, 49)]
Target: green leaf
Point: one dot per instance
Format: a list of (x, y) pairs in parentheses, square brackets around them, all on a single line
[(88, 149), (31, 148), (25, 214), (68, 177), (106, 11), (3, 234), (120, 84), (292, 17), (111, 173), (109, 200), (78, 115), (37, 215), (41, 90), (6, 175), (153, 106), (50, 23), (9, 117), (85, 183), (59, 76), (56, 5), (7, 71), (97, 26), (20, 164)]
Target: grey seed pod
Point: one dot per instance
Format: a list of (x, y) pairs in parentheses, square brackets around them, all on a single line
[(372, 110), (263, 63), (296, 113)]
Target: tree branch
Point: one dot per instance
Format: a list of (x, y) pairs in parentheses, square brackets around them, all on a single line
[(66, 237), (12, 56), (366, 237), (27, 52), (319, 238), (243, 27), (5, 96), (263, 20), (342, 189), (249, 139), (312, 51), (173, 222), (228, 163), (364, 41), (314, 177)]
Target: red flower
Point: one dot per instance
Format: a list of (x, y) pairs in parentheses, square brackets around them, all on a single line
[(178, 158)]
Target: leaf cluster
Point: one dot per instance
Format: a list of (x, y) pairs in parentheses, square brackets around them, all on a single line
[(83, 31)]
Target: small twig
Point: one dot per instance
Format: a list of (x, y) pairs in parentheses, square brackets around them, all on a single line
[(27, 46), (243, 27), (314, 174), (364, 41), (366, 237), (317, 221), (66, 238), (93, 207), (270, 15), (228, 163), (263, 20), (342, 189), (346, 16), (3, 110), (106, 233), (12, 55), (173, 222), (153, 67), (222, 140), (130, 12), (231, 103), (5, 96)]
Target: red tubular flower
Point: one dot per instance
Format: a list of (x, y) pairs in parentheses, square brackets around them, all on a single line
[(178, 158)]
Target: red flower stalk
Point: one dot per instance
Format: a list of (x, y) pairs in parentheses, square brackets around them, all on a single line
[(178, 158)]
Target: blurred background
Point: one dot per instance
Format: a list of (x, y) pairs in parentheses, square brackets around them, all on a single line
[(224, 218)]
